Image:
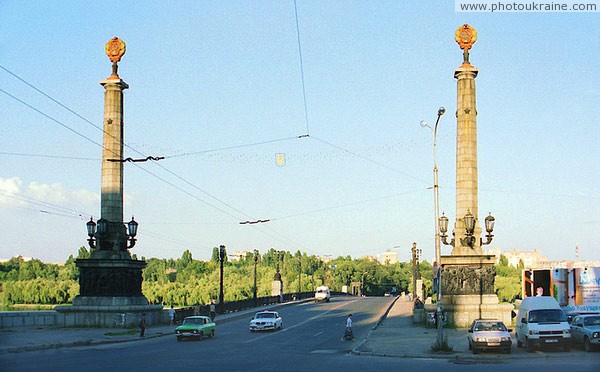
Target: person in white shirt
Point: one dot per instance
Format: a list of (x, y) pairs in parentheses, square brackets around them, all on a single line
[(349, 335), (172, 315)]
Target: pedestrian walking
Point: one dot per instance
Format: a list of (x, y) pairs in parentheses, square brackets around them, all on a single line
[(142, 325), (213, 311), (348, 335), (172, 315)]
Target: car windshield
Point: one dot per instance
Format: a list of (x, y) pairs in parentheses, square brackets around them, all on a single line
[(490, 326), (193, 321), (592, 321), (264, 315), (547, 316)]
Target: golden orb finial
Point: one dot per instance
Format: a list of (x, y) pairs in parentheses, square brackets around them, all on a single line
[(465, 36), (115, 49)]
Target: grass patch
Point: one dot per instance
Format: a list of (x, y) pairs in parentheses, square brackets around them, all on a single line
[(126, 332), (443, 346)]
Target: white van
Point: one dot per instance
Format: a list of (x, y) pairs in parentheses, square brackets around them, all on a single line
[(322, 294), (541, 322)]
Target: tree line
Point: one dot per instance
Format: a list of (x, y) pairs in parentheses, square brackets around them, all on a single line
[(188, 282)]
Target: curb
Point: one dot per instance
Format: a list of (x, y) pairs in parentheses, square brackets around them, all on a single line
[(381, 319)]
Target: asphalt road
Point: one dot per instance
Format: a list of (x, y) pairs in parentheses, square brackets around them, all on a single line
[(310, 341), (312, 332)]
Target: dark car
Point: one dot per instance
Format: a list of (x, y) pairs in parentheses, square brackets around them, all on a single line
[(585, 330), (489, 334)]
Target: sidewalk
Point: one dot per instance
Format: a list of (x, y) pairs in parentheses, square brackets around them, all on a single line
[(29, 339), (397, 336)]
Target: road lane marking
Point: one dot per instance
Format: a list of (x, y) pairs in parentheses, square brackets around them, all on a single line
[(285, 329)]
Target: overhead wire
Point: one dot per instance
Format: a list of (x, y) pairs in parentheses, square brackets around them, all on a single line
[(237, 218)]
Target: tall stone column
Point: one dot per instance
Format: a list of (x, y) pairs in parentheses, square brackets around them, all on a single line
[(111, 204), (467, 275), (110, 281), (466, 158)]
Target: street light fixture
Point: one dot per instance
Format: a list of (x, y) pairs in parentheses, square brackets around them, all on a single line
[(222, 255), (96, 232), (469, 221), (256, 254), (424, 124), (132, 227)]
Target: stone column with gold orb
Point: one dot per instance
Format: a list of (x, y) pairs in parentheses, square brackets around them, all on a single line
[(467, 275), (110, 281)]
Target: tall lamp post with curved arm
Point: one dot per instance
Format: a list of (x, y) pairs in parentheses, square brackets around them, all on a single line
[(436, 208)]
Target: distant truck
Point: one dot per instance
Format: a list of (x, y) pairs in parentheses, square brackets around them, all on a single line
[(577, 290)]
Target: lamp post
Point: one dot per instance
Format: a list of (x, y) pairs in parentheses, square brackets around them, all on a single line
[(416, 255), (255, 288), (222, 254), (299, 275), (436, 207)]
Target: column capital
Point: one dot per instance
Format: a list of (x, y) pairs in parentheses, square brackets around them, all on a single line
[(114, 83), (466, 71)]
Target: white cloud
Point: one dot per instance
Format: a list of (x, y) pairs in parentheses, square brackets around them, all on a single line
[(12, 191), (9, 187)]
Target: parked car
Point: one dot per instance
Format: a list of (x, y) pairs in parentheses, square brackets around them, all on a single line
[(585, 330), (541, 323), (266, 320), (195, 327), (489, 334), (322, 294)]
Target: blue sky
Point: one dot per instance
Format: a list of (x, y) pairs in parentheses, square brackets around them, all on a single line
[(216, 87)]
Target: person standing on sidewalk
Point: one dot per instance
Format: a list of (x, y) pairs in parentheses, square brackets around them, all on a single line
[(142, 325), (172, 315), (213, 311)]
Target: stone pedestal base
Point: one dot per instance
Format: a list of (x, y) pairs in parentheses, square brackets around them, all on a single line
[(277, 289), (461, 310), (106, 313)]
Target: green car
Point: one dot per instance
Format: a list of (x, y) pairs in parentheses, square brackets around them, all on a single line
[(195, 326)]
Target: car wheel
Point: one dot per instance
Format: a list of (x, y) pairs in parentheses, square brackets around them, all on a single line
[(530, 347), (567, 347), (586, 344), (178, 338), (212, 333), (519, 343), (475, 351), (507, 351)]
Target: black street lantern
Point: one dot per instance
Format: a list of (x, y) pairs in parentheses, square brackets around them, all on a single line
[(102, 226), (469, 221), (443, 224), (132, 227), (490, 221), (443, 221), (91, 227)]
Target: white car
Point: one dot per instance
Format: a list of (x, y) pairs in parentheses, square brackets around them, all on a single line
[(489, 334), (266, 321)]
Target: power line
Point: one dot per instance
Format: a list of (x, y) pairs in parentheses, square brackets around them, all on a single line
[(369, 160), (234, 147), (301, 67), (45, 156)]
